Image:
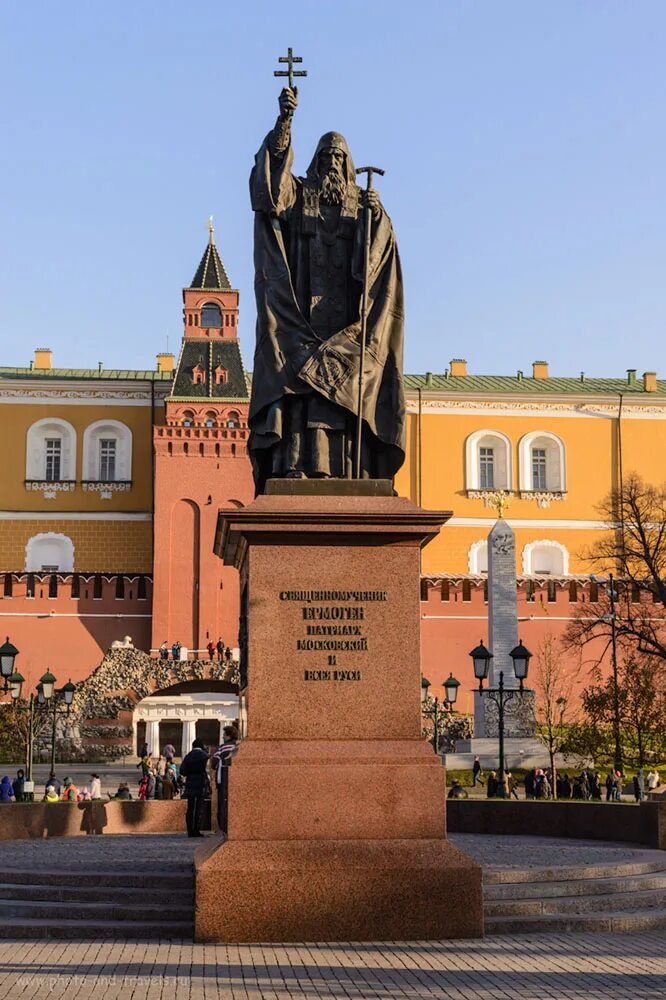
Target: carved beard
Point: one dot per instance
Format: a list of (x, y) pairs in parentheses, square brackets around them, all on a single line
[(333, 187)]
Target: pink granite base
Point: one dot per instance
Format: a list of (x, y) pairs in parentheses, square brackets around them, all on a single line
[(340, 890), (337, 827)]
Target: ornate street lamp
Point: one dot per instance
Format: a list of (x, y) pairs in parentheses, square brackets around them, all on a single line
[(67, 691), (451, 689), (520, 656), (436, 711), (8, 654), (14, 684), (48, 682), (481, 658)]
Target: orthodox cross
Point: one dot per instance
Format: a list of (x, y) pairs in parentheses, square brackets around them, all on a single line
[(499, 500), (290, 59)]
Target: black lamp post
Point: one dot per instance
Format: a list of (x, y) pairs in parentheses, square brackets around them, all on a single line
[(481, 658), (64, 696), (45, 692), (438, 710)]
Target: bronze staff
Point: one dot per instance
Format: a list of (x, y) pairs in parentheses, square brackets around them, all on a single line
[(364, 314)]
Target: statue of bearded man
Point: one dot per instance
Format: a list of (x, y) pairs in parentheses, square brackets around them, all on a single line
[(308, 253)]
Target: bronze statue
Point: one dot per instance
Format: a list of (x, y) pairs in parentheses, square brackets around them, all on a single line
[(309, 266)]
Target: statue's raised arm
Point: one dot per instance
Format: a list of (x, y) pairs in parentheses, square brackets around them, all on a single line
[(272, 186)]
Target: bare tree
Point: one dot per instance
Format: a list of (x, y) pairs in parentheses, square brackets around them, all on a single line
[(554, 676), (634, 549)]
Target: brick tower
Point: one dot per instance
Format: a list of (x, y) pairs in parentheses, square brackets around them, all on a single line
[(201, 466)]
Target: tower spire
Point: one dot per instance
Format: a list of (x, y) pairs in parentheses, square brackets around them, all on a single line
[(211, 231)]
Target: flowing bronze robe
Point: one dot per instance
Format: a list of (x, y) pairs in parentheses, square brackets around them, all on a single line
[(291, 358)]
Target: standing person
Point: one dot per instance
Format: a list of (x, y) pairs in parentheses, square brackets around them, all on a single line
[(18, 784), (53, 782), (512, 786), (6, 789), (193, 768), (175, 651), (619, 786), (220, 763), (70, 792), (168, 785), (220, 649), (123, 791), (493, 785), (530, 784), (641, 784), (610, 785), (95, 787), (476, 772), (144, 751), (169, 753), (164, 650), (228, 655), (211, 650)]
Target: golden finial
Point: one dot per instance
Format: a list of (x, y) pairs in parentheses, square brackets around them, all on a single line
[(211, 230), (499, 500)]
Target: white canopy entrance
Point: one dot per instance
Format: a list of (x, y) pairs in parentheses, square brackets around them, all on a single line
[(212, 710)]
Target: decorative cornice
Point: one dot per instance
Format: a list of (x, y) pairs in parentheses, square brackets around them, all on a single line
[(543, 498)]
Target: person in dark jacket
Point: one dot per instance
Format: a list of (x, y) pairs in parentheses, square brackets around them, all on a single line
[(457, 791), (220, 763), (492, 786), (530, 784), (123, 791), (193, 769), (18, 784)]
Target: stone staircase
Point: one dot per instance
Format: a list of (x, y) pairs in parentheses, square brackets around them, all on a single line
[(611, 897), (98, 904)]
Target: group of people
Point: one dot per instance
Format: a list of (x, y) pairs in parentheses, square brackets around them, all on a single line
[(219, 650), (539, 784), (174, 649), (54, 790)]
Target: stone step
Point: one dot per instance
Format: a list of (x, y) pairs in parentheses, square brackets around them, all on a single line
[(566, 873), (561, 923), (173, 878), (26, 909), (182, 896), (100, 930), (577, 887), (648, 900)]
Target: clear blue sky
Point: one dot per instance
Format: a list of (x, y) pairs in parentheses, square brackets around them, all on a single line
[(523, 144)]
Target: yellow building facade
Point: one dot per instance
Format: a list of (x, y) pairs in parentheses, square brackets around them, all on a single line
[(77, 458), (558, 447)]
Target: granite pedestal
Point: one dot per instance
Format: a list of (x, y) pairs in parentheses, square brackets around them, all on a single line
[(336, 803)]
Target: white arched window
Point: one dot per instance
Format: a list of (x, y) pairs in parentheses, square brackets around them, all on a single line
[(488, 461), (49, 552), (545, 558), (51, 451), (477, 557), (107, 452), (542, 463)]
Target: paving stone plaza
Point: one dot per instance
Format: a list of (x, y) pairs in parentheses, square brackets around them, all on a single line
[(580, 966), (561, 967)]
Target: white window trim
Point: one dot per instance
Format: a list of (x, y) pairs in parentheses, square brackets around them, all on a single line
[(472, 470), (540, 544), (50, 427), (525, 461), (91, 438), (473, 557), (32, 545)]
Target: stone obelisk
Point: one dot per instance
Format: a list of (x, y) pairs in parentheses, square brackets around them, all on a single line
[(503, 634)]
